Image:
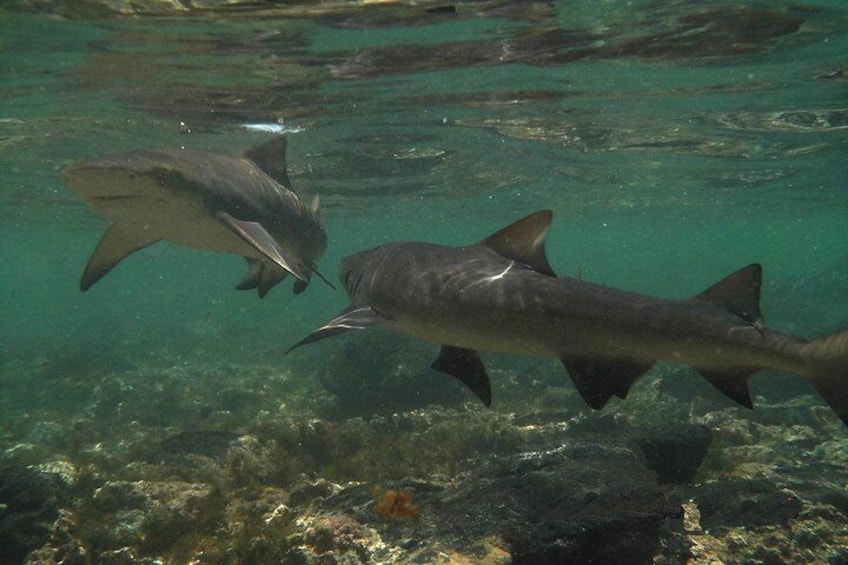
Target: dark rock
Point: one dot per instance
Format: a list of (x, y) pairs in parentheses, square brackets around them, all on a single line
[(581, 503), (29, 506), (755, 502), (675, 453), (385, 367), (308, 491), (211, 443)]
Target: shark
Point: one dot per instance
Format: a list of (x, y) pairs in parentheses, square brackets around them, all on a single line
[(501, 295), (239, 205)]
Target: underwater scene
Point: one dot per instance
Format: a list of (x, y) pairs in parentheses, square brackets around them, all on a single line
[(527, 282)]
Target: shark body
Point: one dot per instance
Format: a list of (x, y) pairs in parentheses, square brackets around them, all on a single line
[(501, 295), (203, 200)]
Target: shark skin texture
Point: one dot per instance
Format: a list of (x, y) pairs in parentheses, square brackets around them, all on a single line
[(501, 295), (239, 205)]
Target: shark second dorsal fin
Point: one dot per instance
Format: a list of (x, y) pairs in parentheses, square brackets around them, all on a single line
[(524, 241), (739, 293)]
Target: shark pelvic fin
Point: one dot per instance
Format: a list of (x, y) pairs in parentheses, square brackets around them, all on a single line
[(119, 241), (739, 293), (524, 241), (733, 383), (598, 379), (261, 275), (465, 365), (255, 235), (353, 318), (300, 286)]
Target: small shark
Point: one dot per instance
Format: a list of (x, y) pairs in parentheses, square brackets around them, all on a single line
[(199, 199), (501, 295)]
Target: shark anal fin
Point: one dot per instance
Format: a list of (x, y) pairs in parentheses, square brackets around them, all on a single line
[(732, 383), (353, 318), (524, 241), (739, 293), (263, 276), (255, 235), (119, 241), (598, 378), (465, 365)]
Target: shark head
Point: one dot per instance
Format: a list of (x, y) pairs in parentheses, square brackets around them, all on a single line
[(353, 269)]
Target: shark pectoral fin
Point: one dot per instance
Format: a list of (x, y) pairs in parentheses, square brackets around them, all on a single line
[(261, 275), (353, 318), (731, 382), (118, 242), (524, 241), (255, 235), (598, 379), (465, 365), (739, 293)]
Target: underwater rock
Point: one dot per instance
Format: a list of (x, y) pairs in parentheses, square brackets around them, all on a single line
[(337, 539), (150, 515), (753, 502), (211, 443), (380, 365), (675, 453), (580, 503), (29, 507)]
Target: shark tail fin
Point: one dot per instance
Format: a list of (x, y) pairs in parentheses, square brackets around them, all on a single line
[(119, 241), (829, 354)]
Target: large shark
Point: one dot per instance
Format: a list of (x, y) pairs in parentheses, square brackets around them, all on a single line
[(501, 295), (199, 199)]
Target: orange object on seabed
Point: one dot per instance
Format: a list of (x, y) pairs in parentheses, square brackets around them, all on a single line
[(395, 503)]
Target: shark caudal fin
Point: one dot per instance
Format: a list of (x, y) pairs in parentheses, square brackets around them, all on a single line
[(119, 241), (829, 354)]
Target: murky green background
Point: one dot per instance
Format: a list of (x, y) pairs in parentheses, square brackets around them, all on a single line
[(674, 141)]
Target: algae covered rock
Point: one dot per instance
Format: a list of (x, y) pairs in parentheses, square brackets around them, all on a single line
[(30, 504), (150, 515), (382, 373)]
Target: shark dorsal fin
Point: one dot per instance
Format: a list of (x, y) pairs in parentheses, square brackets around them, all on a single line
[(524, 241), (271, 158), (739, 293)]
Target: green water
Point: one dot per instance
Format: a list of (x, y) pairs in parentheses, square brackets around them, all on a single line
[(155, 417), (671, 153)]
